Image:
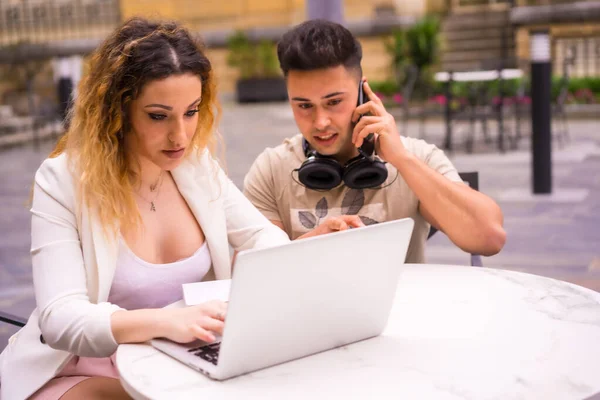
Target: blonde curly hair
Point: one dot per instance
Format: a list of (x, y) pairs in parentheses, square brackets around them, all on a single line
[(137, 52)]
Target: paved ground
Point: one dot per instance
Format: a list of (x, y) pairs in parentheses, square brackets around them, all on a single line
[(556, 236)]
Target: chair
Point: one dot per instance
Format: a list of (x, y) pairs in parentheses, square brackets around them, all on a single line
[(409, 110), (478, 108), (411, 73), (472, 178), (12, 319)]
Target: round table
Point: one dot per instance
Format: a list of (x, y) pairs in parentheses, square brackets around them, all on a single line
[(454, 333)]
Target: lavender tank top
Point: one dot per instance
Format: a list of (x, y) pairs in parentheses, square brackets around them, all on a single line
[(139, 284)]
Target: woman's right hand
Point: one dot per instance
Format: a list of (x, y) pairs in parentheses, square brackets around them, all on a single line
[(184, 325)]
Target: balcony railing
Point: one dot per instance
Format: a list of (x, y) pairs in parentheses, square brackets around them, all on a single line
[(35, 21)]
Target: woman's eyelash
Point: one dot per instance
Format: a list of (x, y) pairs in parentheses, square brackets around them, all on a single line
[(160, 117), (157, 117)]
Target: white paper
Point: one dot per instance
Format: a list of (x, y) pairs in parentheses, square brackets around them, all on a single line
[(200, 292)]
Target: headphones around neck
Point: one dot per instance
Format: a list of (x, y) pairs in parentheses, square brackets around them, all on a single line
[(365, 171)]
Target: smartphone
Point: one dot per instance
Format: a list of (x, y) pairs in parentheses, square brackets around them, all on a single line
[(368, 145)]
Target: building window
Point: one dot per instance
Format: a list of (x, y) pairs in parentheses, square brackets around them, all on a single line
[(92, 12), (580, 55), (13, 18), (40, 14), (66, 12)]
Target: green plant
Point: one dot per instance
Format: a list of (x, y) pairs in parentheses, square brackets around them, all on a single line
[(592, 83), (417, 46), (397, 48), (423, 45), (423, 42), (240, 54), (253, 60), (267, 58), (387, 88)]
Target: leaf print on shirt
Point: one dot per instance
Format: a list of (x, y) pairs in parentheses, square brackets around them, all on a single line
[(367, 221), (308, 220), (352, 204), (322, 208), (353, 201)]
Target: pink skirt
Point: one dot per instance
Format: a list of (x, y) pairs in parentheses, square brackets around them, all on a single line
[(76, 371)]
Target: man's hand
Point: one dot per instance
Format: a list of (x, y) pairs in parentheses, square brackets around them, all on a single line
[(335, 224), (379, 122)]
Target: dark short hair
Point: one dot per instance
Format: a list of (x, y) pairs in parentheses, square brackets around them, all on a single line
[(317, 44)]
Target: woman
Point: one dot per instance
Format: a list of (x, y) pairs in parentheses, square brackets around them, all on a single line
[(129, 206)]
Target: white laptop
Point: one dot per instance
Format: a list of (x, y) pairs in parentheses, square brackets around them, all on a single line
[(298, 299)]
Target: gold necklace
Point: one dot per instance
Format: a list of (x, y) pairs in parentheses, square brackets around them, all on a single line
[(154, 188)]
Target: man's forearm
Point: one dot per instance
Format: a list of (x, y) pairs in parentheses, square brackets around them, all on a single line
[(470, 219)]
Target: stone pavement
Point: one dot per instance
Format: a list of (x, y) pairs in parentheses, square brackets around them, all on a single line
[(556, 236)]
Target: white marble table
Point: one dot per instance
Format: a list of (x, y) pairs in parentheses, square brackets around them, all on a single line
[(454, 333)]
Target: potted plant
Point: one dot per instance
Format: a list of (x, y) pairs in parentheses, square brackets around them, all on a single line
[(422, 42), (259, 77)]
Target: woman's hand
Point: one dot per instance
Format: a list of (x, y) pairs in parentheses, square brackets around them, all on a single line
[(184, 325), (181, 325)]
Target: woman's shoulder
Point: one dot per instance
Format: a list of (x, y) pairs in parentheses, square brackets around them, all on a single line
[(56, 168), (56, 177)]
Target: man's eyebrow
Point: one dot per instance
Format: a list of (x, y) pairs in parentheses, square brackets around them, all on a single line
[(169, 108), (332, 95), (327, 96)]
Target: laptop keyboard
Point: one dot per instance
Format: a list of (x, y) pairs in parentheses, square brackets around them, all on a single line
[(209, 352)]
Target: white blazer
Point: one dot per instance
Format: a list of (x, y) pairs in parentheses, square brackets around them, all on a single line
[(74, 263)]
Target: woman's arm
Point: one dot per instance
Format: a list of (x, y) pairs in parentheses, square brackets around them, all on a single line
[(181, 325), (246, 226), (68, 320)]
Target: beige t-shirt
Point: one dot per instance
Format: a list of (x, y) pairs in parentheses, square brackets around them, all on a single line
[(271, 185)]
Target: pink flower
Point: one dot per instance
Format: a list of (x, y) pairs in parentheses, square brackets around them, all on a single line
[(584, 92), (585, 95), (398, 99), (439, 99), (507, 101), (524, 100)]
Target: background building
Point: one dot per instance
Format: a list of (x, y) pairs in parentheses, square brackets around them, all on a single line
[(475, 34)]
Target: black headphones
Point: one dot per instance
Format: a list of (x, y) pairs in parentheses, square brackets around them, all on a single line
[(319, 172)]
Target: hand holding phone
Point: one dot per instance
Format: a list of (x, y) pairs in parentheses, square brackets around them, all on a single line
[(375, 128), (368, 145)]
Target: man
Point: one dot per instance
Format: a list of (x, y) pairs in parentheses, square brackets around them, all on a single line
[(321, 63)]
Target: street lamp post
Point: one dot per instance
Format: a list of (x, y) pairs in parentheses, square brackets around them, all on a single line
[(541, 126)]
